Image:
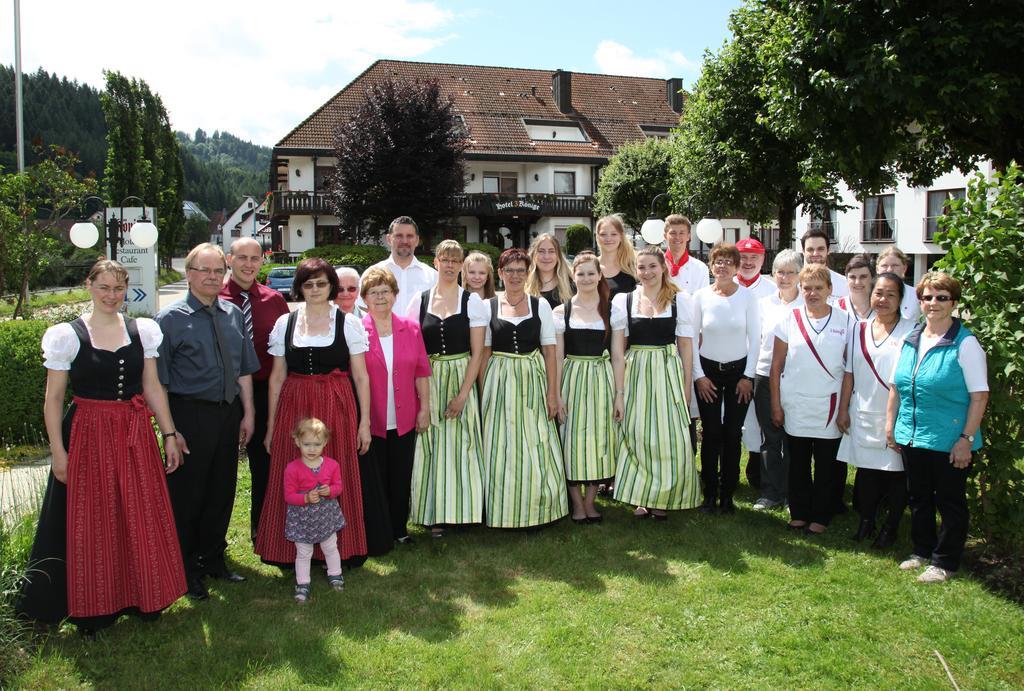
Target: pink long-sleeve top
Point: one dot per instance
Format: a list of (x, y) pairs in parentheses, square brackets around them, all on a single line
[(409, 362), (299, 479)]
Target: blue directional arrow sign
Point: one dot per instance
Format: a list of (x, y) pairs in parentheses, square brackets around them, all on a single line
[(138, 295)]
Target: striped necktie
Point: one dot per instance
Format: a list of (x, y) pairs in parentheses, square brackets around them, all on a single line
[(247, 312)]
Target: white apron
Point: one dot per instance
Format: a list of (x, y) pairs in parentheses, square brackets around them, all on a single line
[(813, 374)]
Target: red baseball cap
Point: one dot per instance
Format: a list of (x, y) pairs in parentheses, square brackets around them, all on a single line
[(751, 245)]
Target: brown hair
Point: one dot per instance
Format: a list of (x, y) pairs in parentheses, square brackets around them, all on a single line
[(377, 276), (815, 272), (513, 254), (533, 282), (667, 291), (449, 248), (626, 255), (311, 268), (860, 261), (314, 426), (938, 280), (726, 250), (476, 256), (104, 265), (678, 220), (894, 251), (604, 300)]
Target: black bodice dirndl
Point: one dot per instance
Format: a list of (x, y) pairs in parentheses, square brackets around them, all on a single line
[(650, 331), (518, 339), (584, 342), (103, 374), (621, 282), (448, 336), (321, 359)]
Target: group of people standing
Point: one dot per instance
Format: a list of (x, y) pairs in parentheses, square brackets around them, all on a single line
[(418, 394)]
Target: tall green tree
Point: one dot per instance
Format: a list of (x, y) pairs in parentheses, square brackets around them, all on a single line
[(634, 176), (32, 206), (401, 153), (887, 88), (726, 160)]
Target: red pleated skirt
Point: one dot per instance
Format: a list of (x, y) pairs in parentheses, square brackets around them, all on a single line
[(329, 398), (122, 546)]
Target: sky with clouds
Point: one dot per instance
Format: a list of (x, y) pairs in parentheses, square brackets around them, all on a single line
[(256, 69)]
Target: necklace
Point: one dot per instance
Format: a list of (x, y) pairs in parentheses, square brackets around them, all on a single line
[(509, 302)]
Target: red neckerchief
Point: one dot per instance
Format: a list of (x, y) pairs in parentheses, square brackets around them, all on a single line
[(674, 267), (745, 282)]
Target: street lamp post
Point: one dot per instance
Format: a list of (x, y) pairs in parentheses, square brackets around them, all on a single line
[(84, 234)]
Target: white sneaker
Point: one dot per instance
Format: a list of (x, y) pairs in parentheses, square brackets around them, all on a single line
[(935, 574), (912, 563), (764, 504)]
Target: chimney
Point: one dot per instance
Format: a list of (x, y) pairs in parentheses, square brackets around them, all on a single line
[(674, 94), (561, 91)]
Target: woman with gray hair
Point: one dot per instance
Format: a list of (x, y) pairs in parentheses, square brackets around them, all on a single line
[(773, 308), (348, 291)]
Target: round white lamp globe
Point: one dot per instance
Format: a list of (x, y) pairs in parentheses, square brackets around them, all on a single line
[(709, 230), (653, 231), (84, 234), (143, 234)]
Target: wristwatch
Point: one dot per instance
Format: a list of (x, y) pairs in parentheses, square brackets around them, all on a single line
[(968, 437)]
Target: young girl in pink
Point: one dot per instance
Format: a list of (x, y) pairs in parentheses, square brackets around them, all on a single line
[(312, 485)]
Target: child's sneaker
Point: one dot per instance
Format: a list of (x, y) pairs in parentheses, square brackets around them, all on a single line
[(337, 582), (302, 593)]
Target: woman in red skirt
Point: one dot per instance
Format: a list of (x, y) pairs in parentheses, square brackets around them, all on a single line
[(106, 543), (315, 350)]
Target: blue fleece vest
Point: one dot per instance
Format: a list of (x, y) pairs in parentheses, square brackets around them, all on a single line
[(934, 400)]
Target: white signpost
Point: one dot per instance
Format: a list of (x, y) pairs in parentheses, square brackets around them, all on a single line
[(141, 262)]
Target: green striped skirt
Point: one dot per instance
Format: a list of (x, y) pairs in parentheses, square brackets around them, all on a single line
[(656, 467), (590, 437), (524, 483), (447, 472)]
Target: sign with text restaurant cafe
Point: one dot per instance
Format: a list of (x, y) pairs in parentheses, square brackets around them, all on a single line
[(141, 262)]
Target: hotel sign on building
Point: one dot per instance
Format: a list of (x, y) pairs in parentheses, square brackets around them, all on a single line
[(537, 142)]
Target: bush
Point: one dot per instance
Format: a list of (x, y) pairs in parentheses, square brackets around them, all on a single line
[(982, 235), (22, 379), (358, 255), (578, 238), (488, 249)]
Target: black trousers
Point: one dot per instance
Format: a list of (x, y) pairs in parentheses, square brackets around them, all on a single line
[(722, 422), (874, 486), (934, 484), (392, 459), (259, 459), (203, 489), (812, 498), (774, 475)]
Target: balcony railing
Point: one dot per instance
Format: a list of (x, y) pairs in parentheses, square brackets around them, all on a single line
[(523, 205), (832, 229), (931, 226), (292, 202), (878, 230)]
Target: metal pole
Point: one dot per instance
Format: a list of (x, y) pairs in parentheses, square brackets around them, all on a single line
[(18, 101)]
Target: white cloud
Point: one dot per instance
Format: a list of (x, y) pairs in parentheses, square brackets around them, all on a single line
[(614, 58), (255, 69)]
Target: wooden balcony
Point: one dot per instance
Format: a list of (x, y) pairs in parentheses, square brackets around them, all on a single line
[(530, 205), (286, 203)]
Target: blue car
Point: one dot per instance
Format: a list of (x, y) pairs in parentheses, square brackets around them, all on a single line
[(280, 278)]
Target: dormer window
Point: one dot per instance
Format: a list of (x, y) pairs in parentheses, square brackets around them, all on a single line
[(555, 131), (656, 131)]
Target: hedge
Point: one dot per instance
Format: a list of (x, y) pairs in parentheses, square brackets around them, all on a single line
[(488, 249), (578, 238), (23, 381), (358, 255)]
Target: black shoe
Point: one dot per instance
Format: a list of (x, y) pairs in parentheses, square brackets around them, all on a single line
[(727, 506), (865, 530), (708, 506), (226, 575), (886, 537), (196, 590)]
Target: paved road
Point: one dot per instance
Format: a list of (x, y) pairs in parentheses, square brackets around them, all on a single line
[(21, 489)]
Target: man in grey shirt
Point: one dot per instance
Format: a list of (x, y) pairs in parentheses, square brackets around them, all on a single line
[(206, 362)]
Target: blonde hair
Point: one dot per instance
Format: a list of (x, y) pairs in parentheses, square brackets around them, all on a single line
[(815, 272), (104, 265), (449, 248), (473, 257), (667, 291), (678, 220), (377, 276), (892, 251), (190, 258), (563, 285), (313, 426), (625, 254)]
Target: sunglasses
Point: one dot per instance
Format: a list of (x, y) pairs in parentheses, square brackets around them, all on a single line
[(936, 298), (310, 285), (348, 289)]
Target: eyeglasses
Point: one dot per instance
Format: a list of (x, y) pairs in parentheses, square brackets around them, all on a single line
[(348, 289), (310, 285), (205, 271), (936, 298), (724, 262), (379, 293), (513, 272), (785, 274)]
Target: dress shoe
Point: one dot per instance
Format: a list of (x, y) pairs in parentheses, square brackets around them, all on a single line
[(226, 575), (708, 506), (865, 530), (727, 506), (196, 590), (886, 538)]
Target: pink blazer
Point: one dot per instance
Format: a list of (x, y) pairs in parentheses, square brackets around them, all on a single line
[(409, 362)]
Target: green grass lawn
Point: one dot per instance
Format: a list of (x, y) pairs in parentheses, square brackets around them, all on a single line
[(696, 601)]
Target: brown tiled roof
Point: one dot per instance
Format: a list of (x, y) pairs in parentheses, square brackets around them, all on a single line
[(493, 101)]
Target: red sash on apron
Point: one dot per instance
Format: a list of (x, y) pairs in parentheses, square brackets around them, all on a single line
[(867, 356)]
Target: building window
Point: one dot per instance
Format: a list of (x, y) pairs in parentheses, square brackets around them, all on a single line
[(500, 183), (565, 182), (554, 131), (938, 205), (321, 177), (328, 235), (656, 131), (825, 220), (879, 224)]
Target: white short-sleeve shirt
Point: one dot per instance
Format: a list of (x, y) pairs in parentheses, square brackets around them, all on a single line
[(547, 324), (684, 311), (61, 344), (617, 320), (355, 334), (479, 313), (970, 355)]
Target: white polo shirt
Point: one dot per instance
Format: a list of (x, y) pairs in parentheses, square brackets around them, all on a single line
[(418, 277)]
